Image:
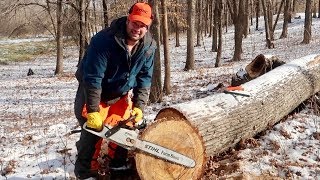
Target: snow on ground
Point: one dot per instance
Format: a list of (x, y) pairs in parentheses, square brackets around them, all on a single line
[(16, 41), (37, 112)]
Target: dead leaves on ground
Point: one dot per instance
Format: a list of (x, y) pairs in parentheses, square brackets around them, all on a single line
[(9, 168)]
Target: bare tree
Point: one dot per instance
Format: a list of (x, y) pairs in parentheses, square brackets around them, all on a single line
[(246, 15), (199, 22), (314, 9), (177, 25), (294, 2), (167, 76), (206, 23), (156, 86), (284, 33), (257, 14), (210, 15), (277, 18), (190, 35), (266, 25), (237, 11), (219, 8), (105, 13), (251, 12), (214, 46), (83, 29), (226, 18), (319, 9), (95, 25), (269, 13), (59, 39), (57, 32), (307, 23)]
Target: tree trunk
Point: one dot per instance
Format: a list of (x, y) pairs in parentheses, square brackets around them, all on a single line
[(226, 15), (246, 19), (199, 22), (294, 7), (290, 12), (105, 13), (167, 76), (219, 15), (238, 20), (206, 22), (82, 25), (156, 85), (59, 39), (190, 35), (319, 9), (284, 33), (210, 12), (177, 25), (95, 25), (251, 13), (307, 23), (266, 25), (270, 18), (277, 18), (314, 9), (205, 127), (214, 47), (257, 14)]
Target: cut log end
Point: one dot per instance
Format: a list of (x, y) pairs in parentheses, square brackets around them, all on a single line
[(173, 131)]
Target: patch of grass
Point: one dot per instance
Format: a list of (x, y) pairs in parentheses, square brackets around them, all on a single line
[(25, 51)]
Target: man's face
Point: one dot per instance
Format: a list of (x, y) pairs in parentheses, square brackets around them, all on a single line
[(136, 30)]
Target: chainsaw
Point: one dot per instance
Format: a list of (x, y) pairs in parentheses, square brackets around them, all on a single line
[(128, 139)]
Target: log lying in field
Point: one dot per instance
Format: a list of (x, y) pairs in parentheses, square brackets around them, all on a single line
[(207, 126)]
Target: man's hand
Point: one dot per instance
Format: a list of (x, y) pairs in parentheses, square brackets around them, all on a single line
[(138, 113), (94, 121)]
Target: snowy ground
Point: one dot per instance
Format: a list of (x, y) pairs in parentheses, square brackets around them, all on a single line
[(37, 113)]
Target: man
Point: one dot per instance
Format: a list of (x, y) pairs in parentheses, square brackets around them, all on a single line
[(118, 60)]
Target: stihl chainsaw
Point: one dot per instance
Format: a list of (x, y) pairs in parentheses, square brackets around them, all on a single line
[(128, 139)]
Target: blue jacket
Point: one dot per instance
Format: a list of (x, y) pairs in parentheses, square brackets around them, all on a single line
[(108, 71)]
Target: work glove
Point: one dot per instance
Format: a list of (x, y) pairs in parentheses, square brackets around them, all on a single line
[(138, 113), (94, 121)]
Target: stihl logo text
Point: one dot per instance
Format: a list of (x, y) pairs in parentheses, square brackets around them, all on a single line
[(152, 148), (157, 150)]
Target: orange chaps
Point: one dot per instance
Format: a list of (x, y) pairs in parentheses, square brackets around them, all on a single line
[(119, 111)]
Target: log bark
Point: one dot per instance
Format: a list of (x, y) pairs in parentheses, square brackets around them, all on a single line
[(208, 126)]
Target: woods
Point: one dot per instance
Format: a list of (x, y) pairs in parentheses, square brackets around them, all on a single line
[(82, 19), (188, 34)]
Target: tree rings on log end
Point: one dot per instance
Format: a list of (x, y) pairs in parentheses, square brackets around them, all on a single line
[(173, 131)]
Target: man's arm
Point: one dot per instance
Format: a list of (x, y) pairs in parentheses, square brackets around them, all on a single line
[(142, 90), (93, 72)]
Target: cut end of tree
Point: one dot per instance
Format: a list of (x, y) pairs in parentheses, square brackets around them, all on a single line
[(173, 131)]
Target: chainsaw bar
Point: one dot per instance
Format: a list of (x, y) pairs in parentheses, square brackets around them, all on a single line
[(129, 139), (164, 153)]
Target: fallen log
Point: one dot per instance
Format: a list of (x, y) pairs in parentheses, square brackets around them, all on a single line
[(207, 126)]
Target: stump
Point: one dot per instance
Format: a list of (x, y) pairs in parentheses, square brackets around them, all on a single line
[(204, 127)]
